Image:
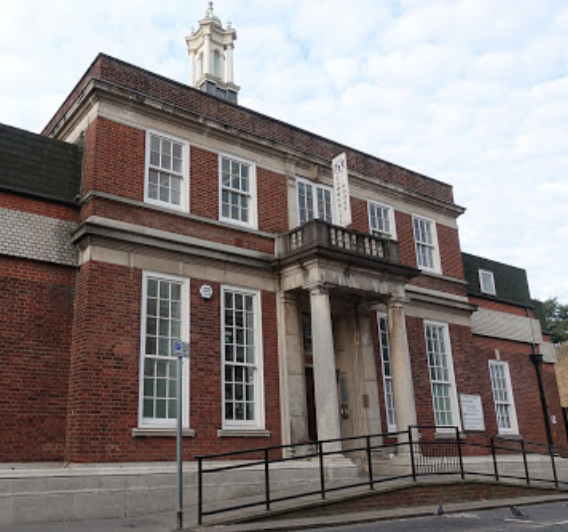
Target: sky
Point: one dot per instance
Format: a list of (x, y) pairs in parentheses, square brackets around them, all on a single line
[(471, 92)]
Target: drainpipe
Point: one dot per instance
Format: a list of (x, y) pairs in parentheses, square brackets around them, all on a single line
[(537, 361)]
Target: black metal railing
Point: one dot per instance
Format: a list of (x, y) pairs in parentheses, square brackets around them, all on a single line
[(427, 455)]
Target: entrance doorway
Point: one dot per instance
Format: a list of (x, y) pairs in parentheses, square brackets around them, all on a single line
[(311, 404)]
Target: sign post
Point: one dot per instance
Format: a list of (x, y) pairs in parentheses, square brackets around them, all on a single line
[(181, 349), (341, 190)]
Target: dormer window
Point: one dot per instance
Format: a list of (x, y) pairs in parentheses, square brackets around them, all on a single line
[(487, 282)]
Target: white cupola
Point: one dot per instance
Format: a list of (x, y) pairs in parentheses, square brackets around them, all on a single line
[(210, 51)]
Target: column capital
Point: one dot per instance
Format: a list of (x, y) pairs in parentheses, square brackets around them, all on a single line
[(397, 302), (317, 289), (289, 298)]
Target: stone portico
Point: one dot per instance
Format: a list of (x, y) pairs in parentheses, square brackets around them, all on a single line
[(336, 279)]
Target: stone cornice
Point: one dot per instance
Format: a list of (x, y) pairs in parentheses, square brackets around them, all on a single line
[(96, 226)]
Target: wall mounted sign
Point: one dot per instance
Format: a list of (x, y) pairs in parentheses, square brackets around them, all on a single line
[(341, 190), (472, 412), (206, 291)]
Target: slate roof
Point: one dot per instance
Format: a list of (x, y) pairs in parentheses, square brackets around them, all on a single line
[(36, 165), (511, 283), (538, 308)]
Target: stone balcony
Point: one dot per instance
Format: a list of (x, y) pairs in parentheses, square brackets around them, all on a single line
[(336, 242), (319, 252)]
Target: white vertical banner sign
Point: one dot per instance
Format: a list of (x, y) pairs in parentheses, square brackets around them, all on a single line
[(341, 190)]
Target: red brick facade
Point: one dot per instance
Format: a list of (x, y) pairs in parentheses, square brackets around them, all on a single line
[(15, 202), (72, 335), (35, 339), (105, 372)]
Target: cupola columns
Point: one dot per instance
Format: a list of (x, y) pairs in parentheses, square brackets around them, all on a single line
[(211, 47)]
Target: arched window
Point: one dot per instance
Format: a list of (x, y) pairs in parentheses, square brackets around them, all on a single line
[(216, 64), (200, 66)]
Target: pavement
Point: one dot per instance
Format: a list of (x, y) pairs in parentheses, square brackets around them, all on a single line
[(167, 522)]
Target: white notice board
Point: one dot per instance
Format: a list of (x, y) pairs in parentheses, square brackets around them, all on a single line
[(472, 412)]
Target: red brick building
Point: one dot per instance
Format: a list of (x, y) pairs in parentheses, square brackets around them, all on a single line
[(159, 211)]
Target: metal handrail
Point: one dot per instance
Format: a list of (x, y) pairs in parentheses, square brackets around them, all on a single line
[(417, 462)]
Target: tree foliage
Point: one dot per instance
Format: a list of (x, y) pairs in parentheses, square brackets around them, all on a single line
[(556, 315)]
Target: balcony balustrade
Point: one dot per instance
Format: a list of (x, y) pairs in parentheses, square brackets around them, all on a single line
[(318, 235)]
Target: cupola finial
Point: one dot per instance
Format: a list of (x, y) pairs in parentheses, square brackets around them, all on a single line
[(210, 51), (209, 12)]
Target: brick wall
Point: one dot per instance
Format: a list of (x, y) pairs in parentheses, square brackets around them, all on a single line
[(35, 337), (39, 207), (272, 201), (525, 388), (405, 234), (114, 159), (471, 355), (114, 163), (174, 223), (359, 215), (450, 252), (105, 372), (449, 247), (498, 306), (204, 183)]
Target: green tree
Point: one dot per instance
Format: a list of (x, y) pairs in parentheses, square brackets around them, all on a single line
[(556, 315)]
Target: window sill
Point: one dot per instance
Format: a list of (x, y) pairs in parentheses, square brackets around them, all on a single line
[(162, 432), (510, 437), (239, 224), (448, 435), (243, 433)]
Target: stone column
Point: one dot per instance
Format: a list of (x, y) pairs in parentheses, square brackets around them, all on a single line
[(292, 379), (192, 68), (230, 63), (369, 372), (327, 403), (403, 388), (207, 55)]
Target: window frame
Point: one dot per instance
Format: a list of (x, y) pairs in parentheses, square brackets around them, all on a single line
[(259, 422), (391, 219), (253, 210), (437, 268), (316, 185), (509, 388), (144, 422), (454, 404), (184, 187), (391, 427), (483, 272)]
